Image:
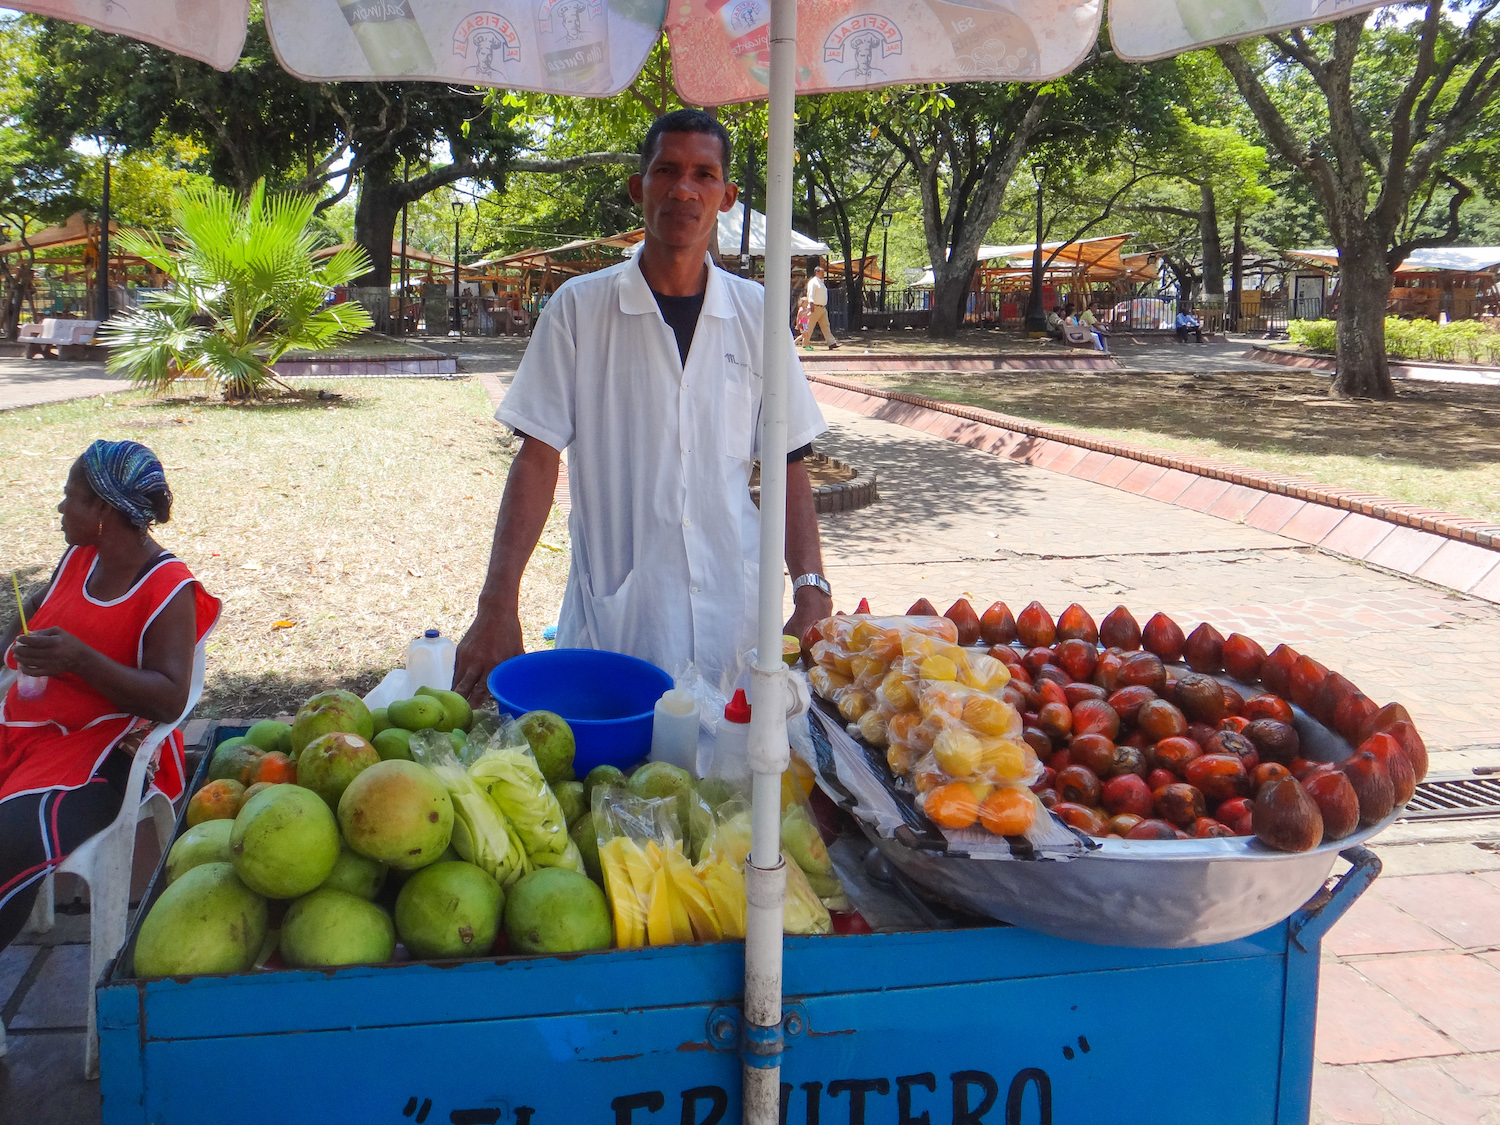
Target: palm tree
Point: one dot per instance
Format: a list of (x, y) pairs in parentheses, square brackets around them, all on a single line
[(245, 289)]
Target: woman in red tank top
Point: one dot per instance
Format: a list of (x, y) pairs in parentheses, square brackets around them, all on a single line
[(108, 654)]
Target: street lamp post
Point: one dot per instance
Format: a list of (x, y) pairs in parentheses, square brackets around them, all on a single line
[(101, 281), (458, 323), (1036, 316), (885, 234)]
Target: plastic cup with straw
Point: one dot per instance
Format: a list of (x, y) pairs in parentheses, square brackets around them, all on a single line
[(27, 687)]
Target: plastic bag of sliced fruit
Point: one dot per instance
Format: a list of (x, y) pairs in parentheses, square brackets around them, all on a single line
[(905, 685), (1125, 732)]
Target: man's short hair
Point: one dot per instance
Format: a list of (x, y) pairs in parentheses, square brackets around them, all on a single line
[(686, 121)]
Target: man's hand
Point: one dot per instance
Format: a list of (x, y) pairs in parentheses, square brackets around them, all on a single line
[(51, 652), (492, 639), (811, 605)]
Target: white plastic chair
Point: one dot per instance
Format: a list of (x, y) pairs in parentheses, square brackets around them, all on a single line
[(104, 861)]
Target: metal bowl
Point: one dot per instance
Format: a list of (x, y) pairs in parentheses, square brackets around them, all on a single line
[(1151, 893)]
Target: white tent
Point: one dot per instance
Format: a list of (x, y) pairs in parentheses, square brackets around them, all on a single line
[(731, 226), (1456, 259)]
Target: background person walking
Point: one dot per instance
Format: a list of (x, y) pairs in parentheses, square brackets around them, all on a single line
[(817, 299)]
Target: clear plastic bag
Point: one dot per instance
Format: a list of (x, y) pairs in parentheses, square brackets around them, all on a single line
[(656, 895), (510, 775), (938, 711), (481, 833)]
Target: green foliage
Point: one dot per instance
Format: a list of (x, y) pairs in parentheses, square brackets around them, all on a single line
[(246, 288), (1460, 341)]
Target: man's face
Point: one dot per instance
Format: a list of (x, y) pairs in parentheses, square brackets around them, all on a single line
[(681, 190)]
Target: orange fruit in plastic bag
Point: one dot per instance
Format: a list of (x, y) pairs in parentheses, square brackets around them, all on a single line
[(898, 692), (902, 759), (853, 704), (937, 668), (988, 715), (921, 736), (983, 673), (873, 729), (942, 701), (958, 752), (1007, 812), (1007, 759), (886, 646), (952, 806), (899, 727), (928, 776)]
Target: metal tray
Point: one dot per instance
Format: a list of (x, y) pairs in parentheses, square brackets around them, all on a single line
[(1147, 893)]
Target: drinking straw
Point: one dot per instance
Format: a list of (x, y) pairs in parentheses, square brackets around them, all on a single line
[(20, 607)]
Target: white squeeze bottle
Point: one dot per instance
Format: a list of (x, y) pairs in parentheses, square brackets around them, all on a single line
[(732, 739), (429, 662), (674, 730)]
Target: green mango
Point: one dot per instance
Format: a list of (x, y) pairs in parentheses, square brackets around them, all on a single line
[(460, 716), (421, 712), (393, 743), (381, 719)]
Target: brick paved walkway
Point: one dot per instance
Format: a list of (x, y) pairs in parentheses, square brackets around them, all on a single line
[(1409, 1021), (1409, 1007)]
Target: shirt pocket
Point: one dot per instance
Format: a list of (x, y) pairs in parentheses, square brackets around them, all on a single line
[(738, 422)]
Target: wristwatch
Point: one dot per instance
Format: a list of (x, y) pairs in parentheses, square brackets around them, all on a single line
[(811, 580)]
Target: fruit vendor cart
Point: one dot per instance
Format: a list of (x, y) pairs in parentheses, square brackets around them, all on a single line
[(940, 1022)]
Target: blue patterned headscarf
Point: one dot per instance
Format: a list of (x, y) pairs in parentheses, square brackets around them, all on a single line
[(127, 476)]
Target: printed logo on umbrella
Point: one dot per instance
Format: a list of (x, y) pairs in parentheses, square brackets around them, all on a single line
[(858, 43), (486, 40)]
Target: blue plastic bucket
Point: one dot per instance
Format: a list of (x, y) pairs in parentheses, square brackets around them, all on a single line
[(609, 699)]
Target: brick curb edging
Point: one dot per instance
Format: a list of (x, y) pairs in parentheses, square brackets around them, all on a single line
[(1319, 361), (841, 496), (1447, 550)]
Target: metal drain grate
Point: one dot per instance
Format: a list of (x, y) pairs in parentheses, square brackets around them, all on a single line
[(1455, 798)]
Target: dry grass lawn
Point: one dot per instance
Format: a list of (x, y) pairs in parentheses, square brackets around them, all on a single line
[(1436, 444), (360, 522)]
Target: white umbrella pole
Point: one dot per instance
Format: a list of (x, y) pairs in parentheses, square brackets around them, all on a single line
[(765, 873)]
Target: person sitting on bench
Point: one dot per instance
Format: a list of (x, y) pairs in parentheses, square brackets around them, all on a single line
[(1055, 323), (1187, 324)]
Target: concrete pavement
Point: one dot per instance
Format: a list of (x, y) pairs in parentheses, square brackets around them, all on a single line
[(1409, 1004), (31, 382), (1411, 981)]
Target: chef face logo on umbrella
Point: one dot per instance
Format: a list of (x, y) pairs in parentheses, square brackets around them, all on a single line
[(486, 41), (856, 48), (568, 21)]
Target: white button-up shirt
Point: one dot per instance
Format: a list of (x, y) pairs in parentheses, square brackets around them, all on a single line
[(665, 536), (817, 292)]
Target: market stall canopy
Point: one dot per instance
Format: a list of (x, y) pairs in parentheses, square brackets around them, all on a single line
[(732, 225), (1088, 259), (720, 51), (412, 254), (1432, 259), (77, 231), (582, 255)]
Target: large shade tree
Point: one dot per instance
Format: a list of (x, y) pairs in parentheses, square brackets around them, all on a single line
[(1381, 119)]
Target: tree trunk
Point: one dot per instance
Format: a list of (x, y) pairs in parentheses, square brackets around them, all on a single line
[(1237, 271), (375, 218), (1213, 252), (950, 295), (1364, 290)]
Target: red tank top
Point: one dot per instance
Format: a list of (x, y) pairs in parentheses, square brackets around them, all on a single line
[(58, 740)]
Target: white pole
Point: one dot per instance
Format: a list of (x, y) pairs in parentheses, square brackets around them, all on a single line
[(765, 873)]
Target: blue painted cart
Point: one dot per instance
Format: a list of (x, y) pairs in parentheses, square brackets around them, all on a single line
[(989, 1024)]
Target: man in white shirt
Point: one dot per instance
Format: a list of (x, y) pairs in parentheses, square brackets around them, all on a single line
[(817, 315), (649, 375)]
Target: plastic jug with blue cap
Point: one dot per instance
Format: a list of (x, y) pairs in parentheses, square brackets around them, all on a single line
[(429, 662)]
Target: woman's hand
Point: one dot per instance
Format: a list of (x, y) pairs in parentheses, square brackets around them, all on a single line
[(51, 652)]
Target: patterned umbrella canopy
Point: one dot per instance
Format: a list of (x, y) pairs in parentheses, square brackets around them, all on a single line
[(720, 50)]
